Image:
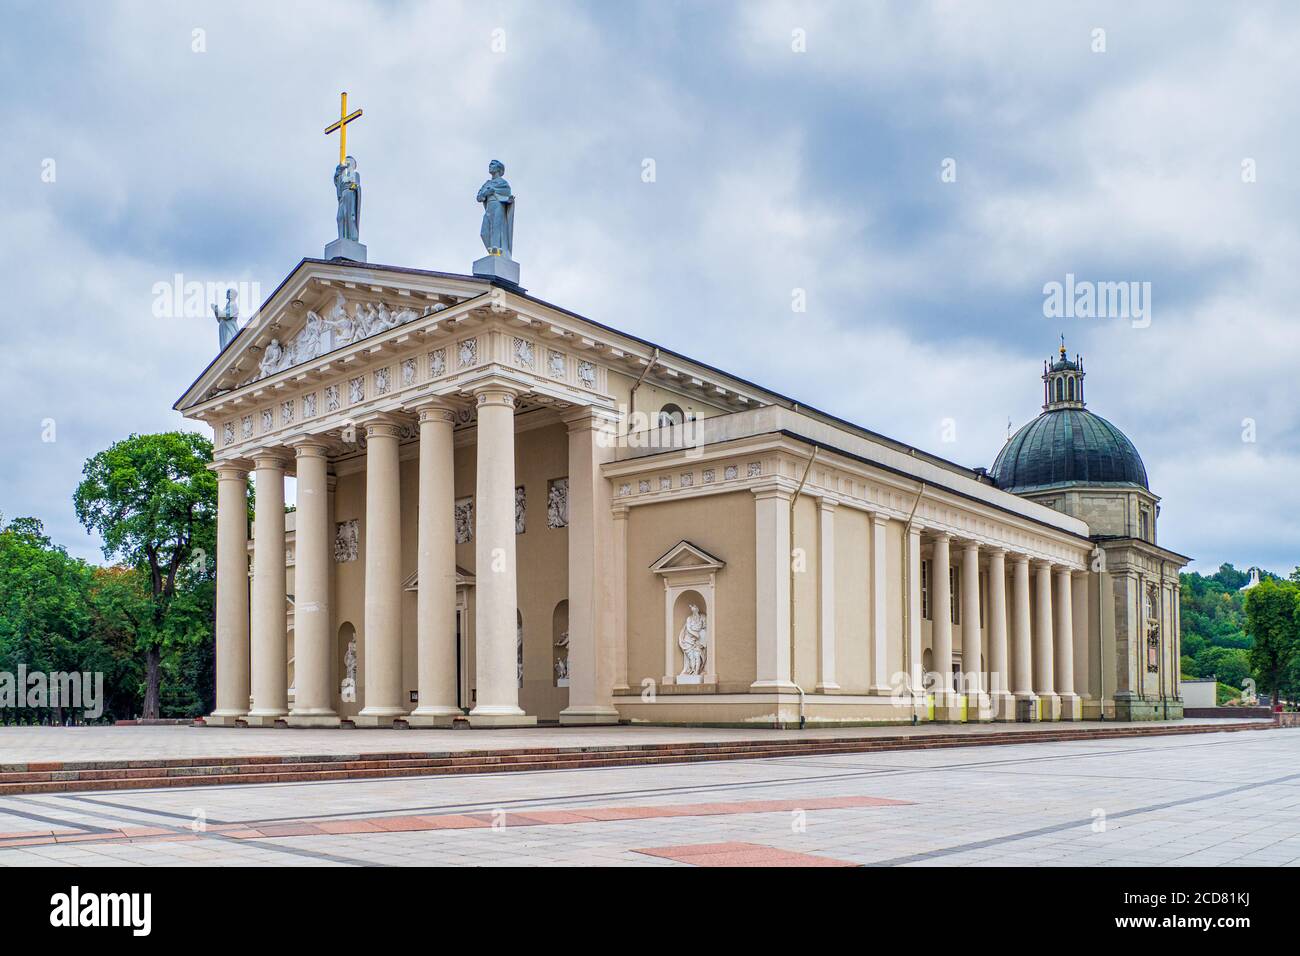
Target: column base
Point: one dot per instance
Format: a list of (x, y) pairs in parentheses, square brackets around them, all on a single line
[(949, 708), (1026, 708), (501, 720), (979, 708), (585, 716), (1003, 706), (312, 720), (1049, 707), (774, 686), (384, 718), (433, 716), (1071, 707), (830, 687), (265, 718), (224, 718)]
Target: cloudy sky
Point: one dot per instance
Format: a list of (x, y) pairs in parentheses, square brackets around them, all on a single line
[(920, 170)]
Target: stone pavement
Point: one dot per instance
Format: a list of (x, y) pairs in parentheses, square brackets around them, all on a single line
[(1197, 800)]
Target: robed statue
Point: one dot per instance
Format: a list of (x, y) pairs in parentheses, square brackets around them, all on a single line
[(227, 319), (693, 640), (498, 230), (347, 186)]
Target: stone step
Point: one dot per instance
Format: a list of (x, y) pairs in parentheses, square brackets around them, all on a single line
[(243, 770)]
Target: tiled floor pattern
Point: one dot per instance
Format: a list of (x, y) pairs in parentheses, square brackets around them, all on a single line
[(1197, 800)]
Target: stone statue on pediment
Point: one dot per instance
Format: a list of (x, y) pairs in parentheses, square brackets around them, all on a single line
[(227, 319), (498, 229), (347, 186)]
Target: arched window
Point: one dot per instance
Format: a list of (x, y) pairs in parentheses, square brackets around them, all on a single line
[(1070, 389), (1060, 390), (671, 414)]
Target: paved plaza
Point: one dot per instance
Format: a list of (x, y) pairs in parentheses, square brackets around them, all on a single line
[(1205, 799)]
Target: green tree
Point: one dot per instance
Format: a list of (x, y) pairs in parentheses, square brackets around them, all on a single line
[(153, 501), (1273, 620)]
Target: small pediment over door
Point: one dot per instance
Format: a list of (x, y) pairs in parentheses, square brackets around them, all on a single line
[(464, 579), (684, 556)]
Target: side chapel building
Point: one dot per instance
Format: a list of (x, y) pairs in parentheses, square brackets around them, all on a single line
[(507, 512)]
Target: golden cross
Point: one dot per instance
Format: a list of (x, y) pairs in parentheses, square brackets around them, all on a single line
[(342, 126)]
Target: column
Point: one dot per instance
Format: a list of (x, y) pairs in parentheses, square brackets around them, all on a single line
[(382, 664), (270, 642), (772, 586), (879, 606), (592, 441), (1064, 657), (1044, 669), (232, 594), (435, 600), (972, 663), (999, 687), (826, 595), (916, 679), (496, 597), (313, 701), (620, 598), (1026, 702), (1084, 654), (946, 707)]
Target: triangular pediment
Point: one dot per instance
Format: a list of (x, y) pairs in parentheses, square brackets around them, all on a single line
[(463, 579), (684, 556), (322, 308)]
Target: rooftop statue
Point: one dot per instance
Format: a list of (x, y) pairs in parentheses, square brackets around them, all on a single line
[(347, 186), (498, 230), (227, 319)]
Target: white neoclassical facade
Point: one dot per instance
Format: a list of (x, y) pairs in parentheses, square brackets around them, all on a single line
[(506, 513)]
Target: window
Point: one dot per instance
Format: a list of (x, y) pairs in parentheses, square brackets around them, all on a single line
[(1060, 391), (671, 414), (1144, 524), (925, 590), (1070, 389), (954, 603)]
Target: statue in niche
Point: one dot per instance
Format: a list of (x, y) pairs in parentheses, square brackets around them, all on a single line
[(498, 229), (562, 661), (348, 690), (347, 187), (557, 504), (227, 319), (693, 642)]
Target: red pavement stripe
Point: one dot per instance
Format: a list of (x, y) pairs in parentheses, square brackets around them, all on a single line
[(458, 821), (738, 854)]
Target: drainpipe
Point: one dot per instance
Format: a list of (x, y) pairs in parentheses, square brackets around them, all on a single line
[(631, 398), (788, 554), (907, 604)]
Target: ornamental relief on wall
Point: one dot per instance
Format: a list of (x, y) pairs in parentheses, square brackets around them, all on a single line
[(346, 541)]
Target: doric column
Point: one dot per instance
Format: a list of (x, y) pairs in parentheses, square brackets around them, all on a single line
[(1064, 656), (270, 646), (1044, 668), (772, 586), (972, 662), (313, 700), (232, 593), (946, 707), (915, 675), (879, 606), (826, 595), (496, 597), (382, 663), (999, 687), (592, 441), (435, 599), (1026, 702)]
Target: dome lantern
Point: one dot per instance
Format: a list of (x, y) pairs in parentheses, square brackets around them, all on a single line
[(1063, 381)]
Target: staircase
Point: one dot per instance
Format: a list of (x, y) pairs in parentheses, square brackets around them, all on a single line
[(63, 777)]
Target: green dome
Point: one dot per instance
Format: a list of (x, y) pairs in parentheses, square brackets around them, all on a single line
[(1067, 446)]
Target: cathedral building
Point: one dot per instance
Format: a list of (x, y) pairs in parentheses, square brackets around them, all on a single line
[(510, 513)]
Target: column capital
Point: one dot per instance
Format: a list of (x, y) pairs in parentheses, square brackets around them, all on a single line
[(270, 457), (310, 447), (880, 519), (495, 390), (936, 535), (969, 544), (381, 425), (915, 528), (589, 418), (773, 488), (230, 469), (826, 503), (993, 549), (1018, 558), (435, 409), (1042, 564)]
